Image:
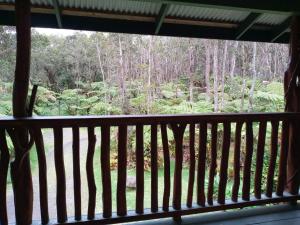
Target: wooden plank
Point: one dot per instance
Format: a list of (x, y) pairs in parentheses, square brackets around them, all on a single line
[(201, 164), (4, 162), (224, 163), (272, 164), (161, 16), (283, 158), (247, 163), (213, 163), (154, 171), (166, 153), (192, 166), (148, 215), (60, 176), (76, 172), (178, 131), (105, 171), (122, 171), (86, 121), (139, 169), (247, 24), (237, 158), (260, 158), (42, 164), (57, 10), (281, 29), (90, 173)]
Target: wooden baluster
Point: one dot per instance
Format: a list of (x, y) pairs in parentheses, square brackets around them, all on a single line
[(4, 162), (178, 131), (105, 171), (90, 172), (271, 171), (154, 172), (166, 153), (224, 163), (260, 158), (139, 169), (60, 175), (201, 164), (247, 163), (192, 167), (283, 158), (42, 163), (237, 166), (76, 172), (213, 163), (122, 170)]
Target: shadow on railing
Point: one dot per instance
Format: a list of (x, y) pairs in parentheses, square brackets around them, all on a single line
[(219, 146)]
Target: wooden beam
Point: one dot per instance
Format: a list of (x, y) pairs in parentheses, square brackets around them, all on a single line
[(144, 25), (276, 7), (281, 29), (20, 168), (57, 10), (247, 24), (161, 16)]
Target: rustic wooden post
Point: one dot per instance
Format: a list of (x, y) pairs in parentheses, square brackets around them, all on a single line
[(292, 95), (20, 168)]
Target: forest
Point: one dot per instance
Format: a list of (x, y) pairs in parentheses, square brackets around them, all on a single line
[(111, 74), (105, 73)]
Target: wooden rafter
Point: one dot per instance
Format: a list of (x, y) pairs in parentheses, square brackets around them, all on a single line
[(161, 16), (247, 24), (57, 13), (281, 29)]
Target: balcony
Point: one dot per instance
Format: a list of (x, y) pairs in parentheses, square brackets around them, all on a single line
[(209, 141)]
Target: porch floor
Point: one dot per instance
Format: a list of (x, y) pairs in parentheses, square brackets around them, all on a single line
[(271, 215)]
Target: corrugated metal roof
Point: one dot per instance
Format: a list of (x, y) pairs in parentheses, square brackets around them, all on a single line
[(181, 14), (132, 7), (206, 13), (148, 8), (271, 19)]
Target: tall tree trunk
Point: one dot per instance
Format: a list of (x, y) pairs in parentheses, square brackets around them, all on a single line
[(243, 78), (191, 70), (149, 76), (99, 59), (207, 69), (20, 169), (251, 93), (233, 59), (216, 76), (223, 73), (292, 94), (122, 78)]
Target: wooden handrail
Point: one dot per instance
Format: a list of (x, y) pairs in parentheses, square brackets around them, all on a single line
[(117, 120), (210, 141)]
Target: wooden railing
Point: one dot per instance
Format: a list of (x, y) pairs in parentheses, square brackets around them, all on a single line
[(238, 138)]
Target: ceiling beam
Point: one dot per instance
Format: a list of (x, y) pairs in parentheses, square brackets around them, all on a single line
[(247, 24), (259, 6), (57, 10), (161, 16), (141, 27), (281, 29)]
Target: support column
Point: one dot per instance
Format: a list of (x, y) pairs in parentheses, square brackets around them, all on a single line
[(292, 95), (20, 168)]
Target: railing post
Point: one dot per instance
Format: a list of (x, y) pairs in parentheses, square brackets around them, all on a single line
[(20, 169), (292, 94)]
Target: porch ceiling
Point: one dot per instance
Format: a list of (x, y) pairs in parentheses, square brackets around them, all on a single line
[(249, 20)]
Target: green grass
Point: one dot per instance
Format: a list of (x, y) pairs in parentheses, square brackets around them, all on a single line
[(131, 193)]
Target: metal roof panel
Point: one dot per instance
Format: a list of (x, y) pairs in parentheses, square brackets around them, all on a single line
[(207, 13)]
